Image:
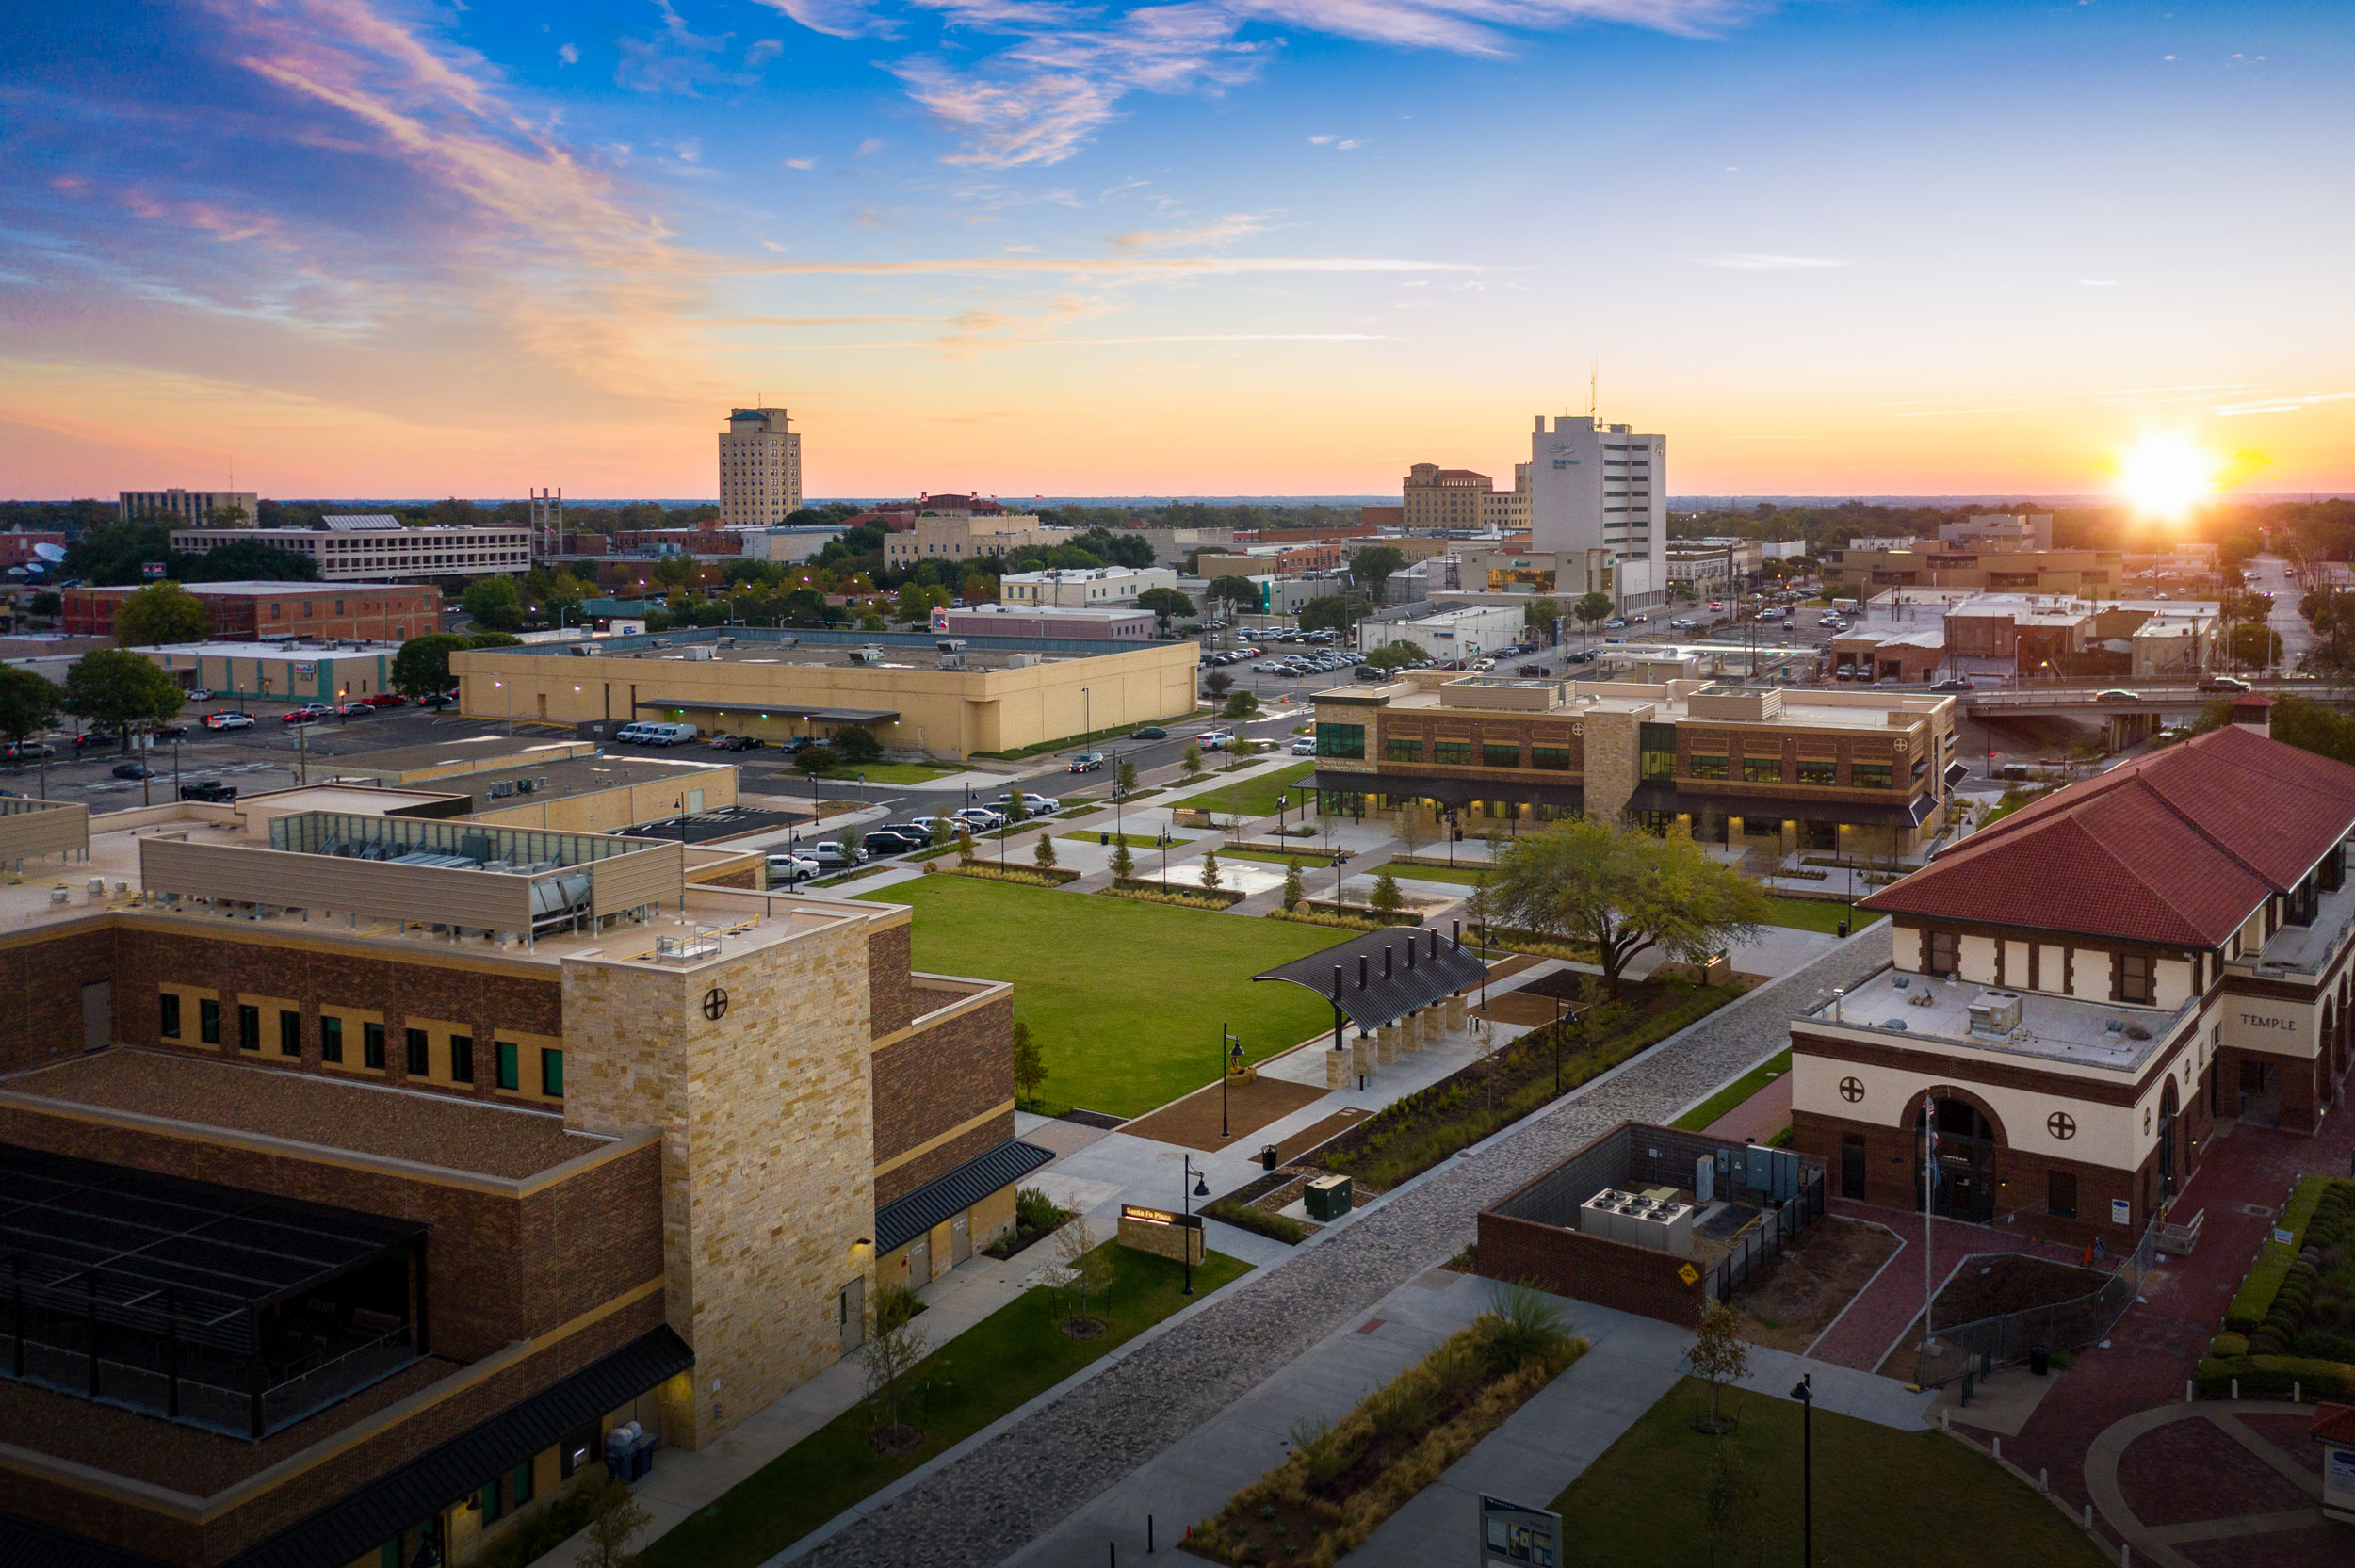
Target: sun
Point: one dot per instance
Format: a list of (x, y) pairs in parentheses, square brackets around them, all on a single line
[(2167, 476)]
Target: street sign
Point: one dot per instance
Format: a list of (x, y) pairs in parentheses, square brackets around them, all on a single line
[(1511, 1533), (150, 569)]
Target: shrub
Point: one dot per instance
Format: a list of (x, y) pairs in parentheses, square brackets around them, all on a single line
[(2274, 1374), (1278, 1227), (2228, 1345), (1520, 1328), (1034, 1210), (2252, 1304)]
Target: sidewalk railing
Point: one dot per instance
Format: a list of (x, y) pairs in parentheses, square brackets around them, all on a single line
[(1756, 1245), (2007, 1339)]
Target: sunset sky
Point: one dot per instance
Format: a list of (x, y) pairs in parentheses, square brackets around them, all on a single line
[(1215, 246)]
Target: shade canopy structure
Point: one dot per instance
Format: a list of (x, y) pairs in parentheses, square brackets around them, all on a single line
[(1383, 975)]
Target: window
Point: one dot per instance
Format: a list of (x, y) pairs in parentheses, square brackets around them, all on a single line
[(1656, 749), (462, 1058), (2060, 1193), (2134, 977), (420, 1060), (519, 1485), (331, 1038), (1709, 767), (169, 1026), (1821, 771), (208, 1021), (1495, 755), (290, 1033), (372, 1047), (510, 1070), (1341, 740), (1761, 770), (1554, 759), (249, 1027), (1940, 953), (551, 1073), (1402, 750), (1451, 753), (1869, 775)]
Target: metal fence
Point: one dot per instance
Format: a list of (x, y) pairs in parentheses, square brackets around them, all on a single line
[(1756, 1245), (2005, 1340)]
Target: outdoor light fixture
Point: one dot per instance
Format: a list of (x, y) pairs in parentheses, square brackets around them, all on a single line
[(1805, 1394)]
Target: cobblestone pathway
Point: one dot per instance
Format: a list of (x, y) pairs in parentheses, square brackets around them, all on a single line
[(984, 1506)]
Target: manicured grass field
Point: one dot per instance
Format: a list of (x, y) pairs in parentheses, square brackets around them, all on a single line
[(1125, 998), (1881, 1496), (1005, 1360), (1134, 841), (1252, 796), (1733, 1093), (1307, 862), (1813, 914), (1465, 876), (890, 772)]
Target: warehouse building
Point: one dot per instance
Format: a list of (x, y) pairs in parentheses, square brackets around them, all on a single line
[(246, 611)]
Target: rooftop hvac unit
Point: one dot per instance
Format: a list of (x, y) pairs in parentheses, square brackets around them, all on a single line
[(1021, 661), (1995, 1012), (952, 661), (698, 653), (585, 650)]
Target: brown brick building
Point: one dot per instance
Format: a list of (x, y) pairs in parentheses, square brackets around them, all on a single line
[(242, 612)]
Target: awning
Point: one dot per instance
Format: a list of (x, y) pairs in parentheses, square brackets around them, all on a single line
[(772, 710), (1453, 790), (1370, 979), (1661, 797), (903, 1219), (1957, 772)]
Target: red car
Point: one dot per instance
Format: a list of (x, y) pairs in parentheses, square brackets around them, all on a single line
[(386, 700), (310, 713)]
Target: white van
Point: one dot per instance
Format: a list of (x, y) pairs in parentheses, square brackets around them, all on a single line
[(631, 734), (664, 734)]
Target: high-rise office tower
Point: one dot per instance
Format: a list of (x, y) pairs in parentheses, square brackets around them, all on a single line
[(760, 468), (1596, 487)]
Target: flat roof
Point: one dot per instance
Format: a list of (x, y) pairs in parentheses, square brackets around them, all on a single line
[(257, 587), (275, 651), (2053, 1028), (471, 751), (558, 779), (317, 1109), (1802, 706)]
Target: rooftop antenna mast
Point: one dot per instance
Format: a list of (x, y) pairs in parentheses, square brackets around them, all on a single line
[(1594, 384)]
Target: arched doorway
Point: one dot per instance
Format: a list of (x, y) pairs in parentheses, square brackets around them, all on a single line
[(1966, 1160), (2168, 1107)]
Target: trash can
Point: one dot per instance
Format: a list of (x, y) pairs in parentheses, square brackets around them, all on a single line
[(1103, 838), (1844, 930), (2039, 1359), (1268, 1159), (1327, 1198)]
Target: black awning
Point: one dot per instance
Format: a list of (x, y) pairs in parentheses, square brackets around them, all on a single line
[(1957, 772), (1369, 977), (1661, 796), (1451, 790), (381, 1511), (903, 1219)]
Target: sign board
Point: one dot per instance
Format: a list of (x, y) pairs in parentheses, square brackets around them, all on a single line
[(1512, 1533), (305, 670), (2285, 1237), (2121, 1211), (150, 569), (1689, 1274), (940, 618)]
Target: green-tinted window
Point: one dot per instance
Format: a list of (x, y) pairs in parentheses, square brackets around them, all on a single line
[(551, 1073), (519, 1485), (1762, 769), (1495, 755), (249, 1027), (372, 1046), (289, 1034), (420, 1054), (1451, 753), (1403, 751), (1820, 770), (1869, 775), (208, 1022), (510, 1065), (169, 1026), (1554, 759), (462, 1058), (1709, 767), (1341, 740), (331, 1038), (1656, 750)]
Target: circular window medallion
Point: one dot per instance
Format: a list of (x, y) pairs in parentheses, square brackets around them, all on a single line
[(715, 1004), (1852, 1089), (2061, 1125)]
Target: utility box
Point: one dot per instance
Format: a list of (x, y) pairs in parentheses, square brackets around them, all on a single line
[(1327, 1198)]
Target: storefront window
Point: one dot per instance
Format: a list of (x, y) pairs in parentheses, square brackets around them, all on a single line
[(1451, 753), (1762, 769), (1709, 767), (1818, 770), (1869, 775), (1341, 740), (1494, 756), (1402, 750), (1554, 759)]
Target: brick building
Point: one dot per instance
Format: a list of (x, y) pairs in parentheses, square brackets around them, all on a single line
[(245, 612), (2086, 989), (432, 1152)]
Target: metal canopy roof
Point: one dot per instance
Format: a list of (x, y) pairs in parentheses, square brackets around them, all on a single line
[(905, 1218), (1370, 978), (143, 1247)]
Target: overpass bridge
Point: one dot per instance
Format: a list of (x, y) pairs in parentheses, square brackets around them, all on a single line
[(2127, 713)]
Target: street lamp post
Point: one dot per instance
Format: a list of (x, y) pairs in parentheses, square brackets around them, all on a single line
[(1194, 1187), (1229, 1057), (1805, 1394), (1087, 716)]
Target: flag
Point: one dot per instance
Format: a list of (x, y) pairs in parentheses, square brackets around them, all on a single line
[(1929, 1129)]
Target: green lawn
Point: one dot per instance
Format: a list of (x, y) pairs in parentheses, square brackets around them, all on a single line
[(1812, 914), (1466, 875), (1307, 862), (891, 773), (1733, 1093), (1008, 1358), (1134, 841), (1881, 1495), (1125, 998), (1252, 796)]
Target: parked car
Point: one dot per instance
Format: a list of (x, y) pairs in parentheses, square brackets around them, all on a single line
[(1087, 762), (356, 710), (1304, 746), (228, 721), (1214, 740), (787, 869), (1371, 672), (836, 857), (980, 819), (1151, 732), (200, 695), (739, 743), (1958, 683), (209, 789), (91, 740), (32, 751), (893, 841), (301, 716), (387, 700), (170, 732), (1615, 624), (133, 770), (1036, 805), (2223, 683)]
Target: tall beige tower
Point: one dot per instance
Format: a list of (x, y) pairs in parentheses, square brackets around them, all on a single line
[(760, 468)]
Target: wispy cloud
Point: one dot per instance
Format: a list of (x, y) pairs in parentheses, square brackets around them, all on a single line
[(2290, 404), (1223, 230), (676, 58), (2097, 283), (1117, 266), (1762, 261)]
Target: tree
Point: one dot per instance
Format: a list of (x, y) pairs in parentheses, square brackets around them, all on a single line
[(160, 613), (1235, 590), (245, 561), (1123, 863), (965, 844), (815, 760), (1540, 615), (895, 1348), (2255, 645), (870, 622), (1209, 871), (857, 744), (1091, 1274), (1386, 898), (1335, 613), (119, 688), (1030, 1064), (675, 571), (1717, 1354), (1125, 779), (1624, 893), (615, 1517), (1396, 655), (1218, 683), (1243, 704), (1592, 609), (1294, 888), (1166, 604), (1373, 566), (917, 600), (493, 604), (1190, 763), (29, 703), (1045, 853), (1731, 1500), (421, 669)]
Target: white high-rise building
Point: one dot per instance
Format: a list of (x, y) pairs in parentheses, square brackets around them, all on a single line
[(760, 469), (1600, 490)]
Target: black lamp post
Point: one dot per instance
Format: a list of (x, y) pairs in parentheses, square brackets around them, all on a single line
[(1229, 1059), (1194, 1187), (1805, 1394)]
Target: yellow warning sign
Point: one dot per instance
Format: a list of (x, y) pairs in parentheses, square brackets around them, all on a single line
[(1689, 1274)]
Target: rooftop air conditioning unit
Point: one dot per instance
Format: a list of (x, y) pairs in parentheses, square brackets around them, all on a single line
[(952, 661), (699, 653), (1021, 661), (1995, 1012)]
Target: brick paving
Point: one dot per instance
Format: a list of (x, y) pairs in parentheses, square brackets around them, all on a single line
[(1862, 1335), (983, 1505)]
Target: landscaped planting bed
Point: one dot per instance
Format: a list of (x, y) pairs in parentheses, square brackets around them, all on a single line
[(1343, 1480), (2293, 1321), (1027, 876), (1177, 895)]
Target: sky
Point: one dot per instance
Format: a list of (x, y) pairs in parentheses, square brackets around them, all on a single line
[(1208, 246)]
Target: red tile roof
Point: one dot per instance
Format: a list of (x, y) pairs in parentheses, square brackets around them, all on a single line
[(2332, 1424), (2178, 846)]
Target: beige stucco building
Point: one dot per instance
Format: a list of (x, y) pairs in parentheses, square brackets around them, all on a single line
[(760, 468), (960, 536)]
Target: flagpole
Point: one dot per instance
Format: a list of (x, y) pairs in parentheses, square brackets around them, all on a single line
[(1929, 1209)]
